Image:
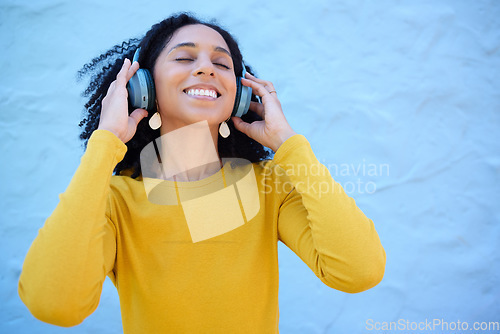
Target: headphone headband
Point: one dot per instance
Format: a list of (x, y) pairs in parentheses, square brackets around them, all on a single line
[(136, 54)]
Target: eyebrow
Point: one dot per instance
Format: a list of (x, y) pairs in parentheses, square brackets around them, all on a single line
[(192, 45)]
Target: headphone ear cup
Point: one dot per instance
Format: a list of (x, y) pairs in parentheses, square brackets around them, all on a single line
[(246, 96), (238, 97), (150, 83), (242, 100), (141, 90)]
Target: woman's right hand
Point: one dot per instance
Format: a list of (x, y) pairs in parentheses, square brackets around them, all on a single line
[(114, 107)]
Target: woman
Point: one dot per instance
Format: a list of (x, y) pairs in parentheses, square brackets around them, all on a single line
[(203, 260)]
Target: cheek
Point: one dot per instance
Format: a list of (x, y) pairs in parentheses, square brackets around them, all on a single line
[(166, 80), (165, 89), (232, 94), (231, 84)]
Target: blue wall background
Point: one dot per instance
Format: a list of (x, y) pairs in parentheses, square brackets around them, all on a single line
[(409, 87)]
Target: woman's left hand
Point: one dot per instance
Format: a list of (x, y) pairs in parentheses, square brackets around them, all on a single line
[(274, 129)]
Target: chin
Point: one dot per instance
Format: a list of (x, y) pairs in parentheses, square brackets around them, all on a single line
[(213, 117)]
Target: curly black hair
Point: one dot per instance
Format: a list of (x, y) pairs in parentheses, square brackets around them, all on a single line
[(104, 68)]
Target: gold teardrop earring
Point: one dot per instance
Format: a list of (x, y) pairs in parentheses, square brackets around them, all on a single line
[(155, 120), (224, 129)]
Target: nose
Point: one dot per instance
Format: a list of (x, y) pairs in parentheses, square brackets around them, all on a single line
[(204, 67)]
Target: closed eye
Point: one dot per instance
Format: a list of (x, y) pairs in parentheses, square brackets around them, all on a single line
[(191, 59), (222, 65)]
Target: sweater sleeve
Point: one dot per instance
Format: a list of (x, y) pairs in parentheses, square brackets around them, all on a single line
[(67, 263), (320, 223)]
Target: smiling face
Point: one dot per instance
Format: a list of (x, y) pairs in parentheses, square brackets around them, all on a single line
[(194, 78)]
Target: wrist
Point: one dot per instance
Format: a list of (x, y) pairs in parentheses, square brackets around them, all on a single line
[(113, 131), (281, 137)]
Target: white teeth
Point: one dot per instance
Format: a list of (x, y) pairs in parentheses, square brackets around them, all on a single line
[(202, 92)]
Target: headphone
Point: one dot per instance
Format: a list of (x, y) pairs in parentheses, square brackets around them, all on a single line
[(141, 91)]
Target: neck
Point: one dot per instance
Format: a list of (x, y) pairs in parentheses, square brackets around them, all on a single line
[(189, 153)]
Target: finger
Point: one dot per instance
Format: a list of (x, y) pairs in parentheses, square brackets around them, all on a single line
[(138, 114), (241, 125), (258, 108), (110, 90), (121, 77), (268, 84), (254, 78), (258, 89), (111, 86), (131, 71)]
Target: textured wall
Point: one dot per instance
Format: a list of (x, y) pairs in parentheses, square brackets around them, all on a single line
[(401, 99)]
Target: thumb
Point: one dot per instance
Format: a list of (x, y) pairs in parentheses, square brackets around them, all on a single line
[(138, 114), (241, 125)]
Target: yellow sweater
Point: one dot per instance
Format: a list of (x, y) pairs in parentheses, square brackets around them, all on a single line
[(206, 262)]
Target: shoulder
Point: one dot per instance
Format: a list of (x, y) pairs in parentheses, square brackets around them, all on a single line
[(272, 179), (126, 188), (266, 169)]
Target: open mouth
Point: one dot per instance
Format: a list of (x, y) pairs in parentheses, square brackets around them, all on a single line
[(202, 92)]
